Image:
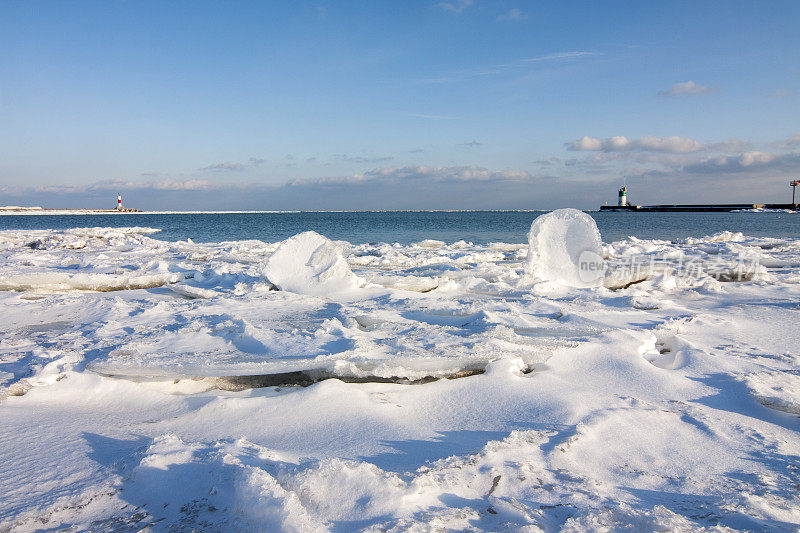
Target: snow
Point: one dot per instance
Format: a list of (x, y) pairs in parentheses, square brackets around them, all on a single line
[(661, 396), (565, 247), (309, 263)]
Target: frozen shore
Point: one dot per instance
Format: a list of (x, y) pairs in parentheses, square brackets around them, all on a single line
[(665, 394)]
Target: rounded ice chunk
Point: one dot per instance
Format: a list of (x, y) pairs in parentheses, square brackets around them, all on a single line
[(309, 263), (565, 246)]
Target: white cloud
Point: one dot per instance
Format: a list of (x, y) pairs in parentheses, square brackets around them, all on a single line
[(747, 161), (687, 88), (731, 170), (619, 143), (231, 166), (359, 159), (513, 14), (227, 165), (458, 173), (561, 56), (160, 185), (59, 189), (731, 145), (457, 6), (423, 174), (674, 145), (586, 143), (113, 186), (187, 185), (586, 181), (790, 143), (755, 158)]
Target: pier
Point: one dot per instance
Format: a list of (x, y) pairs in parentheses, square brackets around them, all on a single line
[(690, 208), (623, 205)]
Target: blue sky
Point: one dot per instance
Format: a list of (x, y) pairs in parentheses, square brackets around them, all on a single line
[(453, 104)]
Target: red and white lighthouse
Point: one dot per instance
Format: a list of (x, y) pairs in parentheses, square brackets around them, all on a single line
[(119, 202)]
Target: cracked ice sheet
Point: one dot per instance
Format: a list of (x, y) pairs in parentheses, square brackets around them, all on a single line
[(664, 405)]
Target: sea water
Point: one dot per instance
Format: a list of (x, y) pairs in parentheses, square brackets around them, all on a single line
[(479, 227)]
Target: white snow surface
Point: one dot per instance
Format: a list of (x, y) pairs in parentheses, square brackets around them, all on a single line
[(665, 398)]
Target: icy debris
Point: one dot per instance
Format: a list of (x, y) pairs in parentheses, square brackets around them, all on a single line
[(722, 236), (188, 291), (406, 283), (75, 238), (309, 263), (58, 282), (565, 246), (430, 243), (748, 272), (694, 262)]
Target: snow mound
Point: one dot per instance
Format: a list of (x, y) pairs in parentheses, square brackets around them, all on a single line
[(565, 247), (309, 263)]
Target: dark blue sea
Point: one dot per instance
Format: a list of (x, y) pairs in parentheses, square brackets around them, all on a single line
[(412, 226)]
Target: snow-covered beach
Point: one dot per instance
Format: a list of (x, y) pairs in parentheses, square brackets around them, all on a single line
[(664, 394)]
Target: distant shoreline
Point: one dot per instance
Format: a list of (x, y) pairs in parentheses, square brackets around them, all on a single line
[(42, 211)]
